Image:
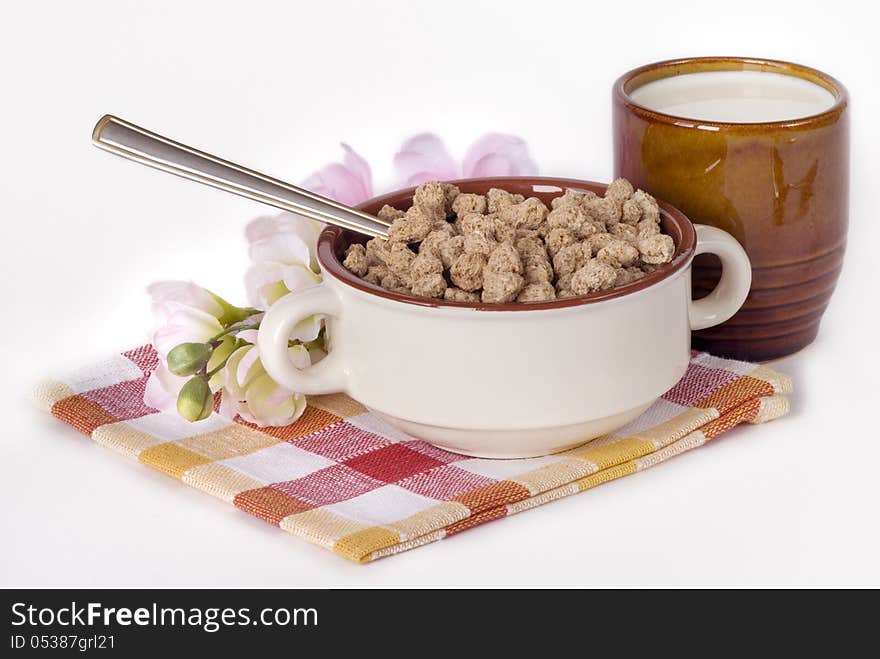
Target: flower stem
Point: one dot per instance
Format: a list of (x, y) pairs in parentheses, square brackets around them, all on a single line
[(233, 328), (235, 346)]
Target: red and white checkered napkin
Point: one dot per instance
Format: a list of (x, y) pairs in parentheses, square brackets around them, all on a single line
[(343, 479)]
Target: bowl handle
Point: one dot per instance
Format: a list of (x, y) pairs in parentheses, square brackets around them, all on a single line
[(328, 375), (736, 278)]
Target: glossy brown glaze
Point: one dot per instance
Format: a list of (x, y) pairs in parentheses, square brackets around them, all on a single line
[(333, 242), (781, 188)]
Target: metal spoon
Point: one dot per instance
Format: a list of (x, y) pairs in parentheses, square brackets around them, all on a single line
[(125, 139)]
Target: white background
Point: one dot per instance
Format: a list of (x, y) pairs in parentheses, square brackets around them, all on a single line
[(277, 86)]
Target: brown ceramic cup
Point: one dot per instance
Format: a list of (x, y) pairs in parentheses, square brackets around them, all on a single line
[(781, 188)]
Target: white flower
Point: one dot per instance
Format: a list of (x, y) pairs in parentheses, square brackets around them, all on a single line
[(282, 251), (283, 260), (185, 325), (249, 392), (269, 226)]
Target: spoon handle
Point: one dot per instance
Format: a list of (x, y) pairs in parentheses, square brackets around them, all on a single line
[(125, 139)]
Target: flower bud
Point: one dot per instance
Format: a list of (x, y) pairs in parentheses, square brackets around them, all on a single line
[(195, 401), (188, 358)]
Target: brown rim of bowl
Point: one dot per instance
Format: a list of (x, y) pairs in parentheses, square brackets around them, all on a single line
[(658, 70), (333, 240)]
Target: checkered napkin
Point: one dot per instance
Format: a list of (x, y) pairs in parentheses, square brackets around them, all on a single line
[(343, 479)]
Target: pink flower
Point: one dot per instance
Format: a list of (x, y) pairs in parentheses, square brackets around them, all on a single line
[(495, 154), (168, 296), (184, 312), (349, 182), (426, 158), (163, 388)]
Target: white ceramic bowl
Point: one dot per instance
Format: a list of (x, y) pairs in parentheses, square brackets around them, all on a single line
[(512, 380)]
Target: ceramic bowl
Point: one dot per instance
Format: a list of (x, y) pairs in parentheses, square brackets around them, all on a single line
[(506, 380)]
